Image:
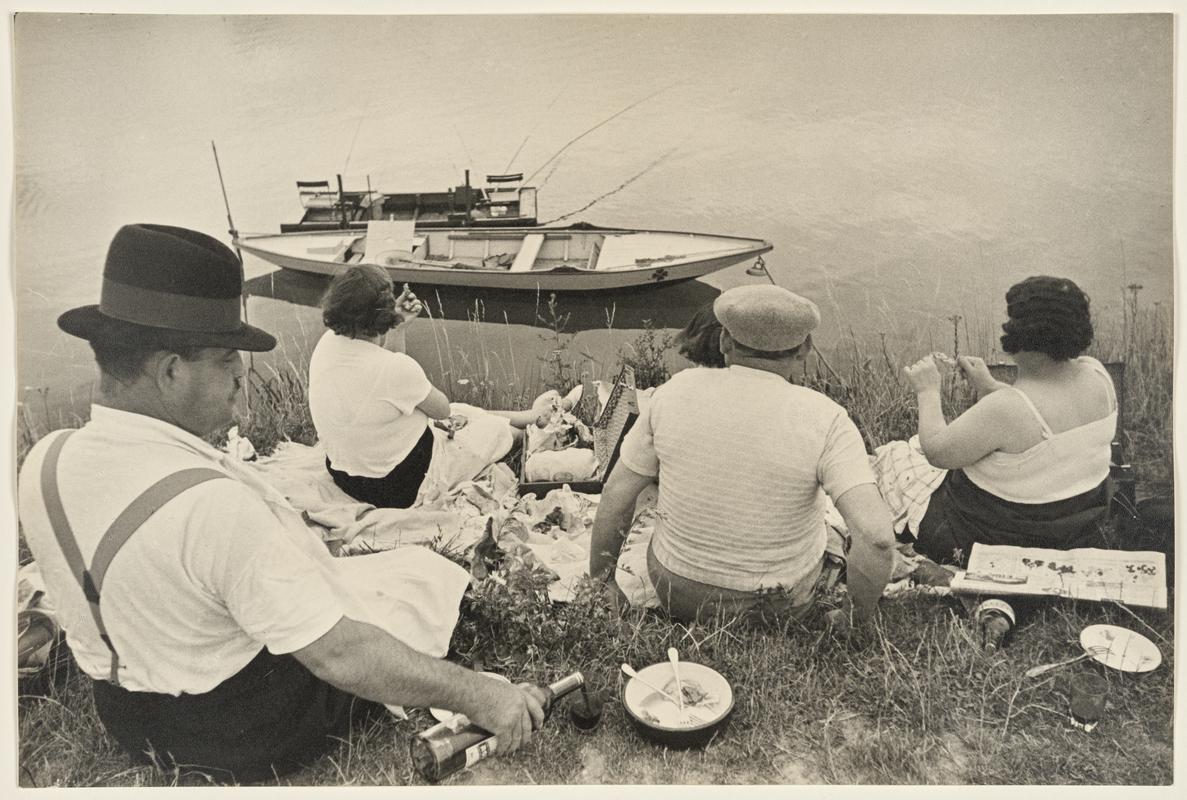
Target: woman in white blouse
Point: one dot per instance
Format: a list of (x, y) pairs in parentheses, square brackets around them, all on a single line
[(372, 404)]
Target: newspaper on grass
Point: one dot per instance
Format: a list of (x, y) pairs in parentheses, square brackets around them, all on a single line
[(1136, 578)]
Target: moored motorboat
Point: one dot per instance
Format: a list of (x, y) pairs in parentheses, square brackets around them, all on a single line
[(580, 257)]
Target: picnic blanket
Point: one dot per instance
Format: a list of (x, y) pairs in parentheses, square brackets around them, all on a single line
[(552, 532), (453, 511)]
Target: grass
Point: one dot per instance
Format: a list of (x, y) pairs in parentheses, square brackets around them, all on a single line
[(918, 702)]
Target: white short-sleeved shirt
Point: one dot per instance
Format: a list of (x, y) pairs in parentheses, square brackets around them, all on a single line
[(363, 399), (742, 458), (199, 588)]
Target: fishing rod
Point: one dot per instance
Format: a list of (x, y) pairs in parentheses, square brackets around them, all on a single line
[(582, 135), (616, 189), (507, 168), (226, 204), (251, 361), (355, 138), (469, 158)]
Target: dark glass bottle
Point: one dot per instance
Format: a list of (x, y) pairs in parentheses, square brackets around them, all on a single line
[(457, 743), (995, 618)]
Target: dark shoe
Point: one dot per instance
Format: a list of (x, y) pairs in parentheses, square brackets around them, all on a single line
[(929, 573)]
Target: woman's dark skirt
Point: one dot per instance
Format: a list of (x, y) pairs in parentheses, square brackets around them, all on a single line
[(397, 489), (961, 513)]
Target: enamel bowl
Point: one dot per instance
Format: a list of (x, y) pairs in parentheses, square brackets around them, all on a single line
[(708, 701)]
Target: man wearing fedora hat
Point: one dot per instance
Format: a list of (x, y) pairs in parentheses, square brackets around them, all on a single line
[(743, 458), (214, 638)]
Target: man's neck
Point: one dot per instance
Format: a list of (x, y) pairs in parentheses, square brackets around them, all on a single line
[(134, 399), (781, 366)]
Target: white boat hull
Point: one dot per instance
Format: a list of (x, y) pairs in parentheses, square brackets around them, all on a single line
[(620, 258)]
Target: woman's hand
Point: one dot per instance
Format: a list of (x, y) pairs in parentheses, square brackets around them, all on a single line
[(452, 424), (923, 375), (408, 307), (977, 374)]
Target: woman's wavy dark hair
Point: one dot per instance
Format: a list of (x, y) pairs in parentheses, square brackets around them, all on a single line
[(360, 302), (1047, 315), (699, 342)]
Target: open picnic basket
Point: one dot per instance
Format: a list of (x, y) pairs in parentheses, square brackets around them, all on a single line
[(609, 425)]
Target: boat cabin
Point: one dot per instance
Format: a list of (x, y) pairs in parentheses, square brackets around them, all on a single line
[(502, 202)]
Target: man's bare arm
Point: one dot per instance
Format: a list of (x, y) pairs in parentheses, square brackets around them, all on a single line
[(368, 662), (871, 549), (616, 512)]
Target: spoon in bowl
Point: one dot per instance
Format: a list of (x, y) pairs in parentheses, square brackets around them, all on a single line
[(630, 672), (674, 657)]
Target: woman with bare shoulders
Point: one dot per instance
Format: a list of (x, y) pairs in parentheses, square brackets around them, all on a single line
[(1027, 463)]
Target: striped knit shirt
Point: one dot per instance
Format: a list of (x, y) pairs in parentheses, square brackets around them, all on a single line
[(744, 459)]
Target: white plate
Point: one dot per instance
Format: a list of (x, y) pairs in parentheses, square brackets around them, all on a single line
[(1120, 648), (714, 696), (441, 714)]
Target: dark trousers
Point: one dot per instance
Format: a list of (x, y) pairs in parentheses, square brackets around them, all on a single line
[(397, 489), (272, 717)]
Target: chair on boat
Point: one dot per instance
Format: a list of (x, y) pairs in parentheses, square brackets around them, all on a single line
[(503, 191), (316, 194)]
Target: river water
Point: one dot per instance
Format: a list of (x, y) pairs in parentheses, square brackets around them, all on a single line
[(905, 168)]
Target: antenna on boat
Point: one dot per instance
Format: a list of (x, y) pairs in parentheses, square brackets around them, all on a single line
[(251, 361), (342, 204)]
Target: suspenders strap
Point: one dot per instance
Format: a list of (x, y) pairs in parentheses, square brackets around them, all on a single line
[(127, 523)]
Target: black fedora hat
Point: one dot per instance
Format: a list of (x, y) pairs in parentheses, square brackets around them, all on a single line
[(171, 287)]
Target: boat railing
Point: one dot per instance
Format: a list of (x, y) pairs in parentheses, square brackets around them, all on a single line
[(484, 233)]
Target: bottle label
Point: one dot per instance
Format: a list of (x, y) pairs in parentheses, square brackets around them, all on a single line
[(993, 606), (477, 752)]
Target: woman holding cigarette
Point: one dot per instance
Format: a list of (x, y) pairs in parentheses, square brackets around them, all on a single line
[(372, 404)]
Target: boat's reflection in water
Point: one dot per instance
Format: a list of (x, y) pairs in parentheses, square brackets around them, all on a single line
[(668, 306)]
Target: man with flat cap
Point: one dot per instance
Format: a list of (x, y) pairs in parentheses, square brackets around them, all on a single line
[(214, 638), (744, 458)]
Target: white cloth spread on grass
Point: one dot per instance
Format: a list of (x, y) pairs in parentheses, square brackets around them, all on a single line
[(570, 464), (363, 400), (744, 460), (453, 519), (484, 440), (222, 569), (456, 520)]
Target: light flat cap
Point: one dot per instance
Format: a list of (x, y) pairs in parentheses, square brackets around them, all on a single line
[(766, 317)]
